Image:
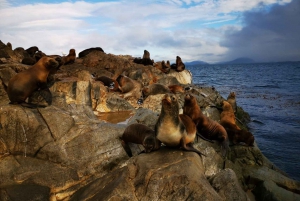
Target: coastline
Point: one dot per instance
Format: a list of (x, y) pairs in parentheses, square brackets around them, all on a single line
[(64, 152)]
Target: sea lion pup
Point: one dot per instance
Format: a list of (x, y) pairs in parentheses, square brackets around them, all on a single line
[(232, 101), (125, 83), (235, 134), (179, 66), (207, 127), (70, 58), (23, 84), (129, 87), (162, 66), (140, 134), (32, 50), (110, 83), (175, 130), (154, 89)]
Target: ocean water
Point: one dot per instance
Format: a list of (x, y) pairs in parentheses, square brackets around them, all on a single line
[(270, 93)]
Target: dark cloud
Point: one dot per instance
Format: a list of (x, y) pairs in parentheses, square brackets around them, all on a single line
[(267, 36)]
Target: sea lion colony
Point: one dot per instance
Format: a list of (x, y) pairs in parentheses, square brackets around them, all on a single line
[(172, 129)]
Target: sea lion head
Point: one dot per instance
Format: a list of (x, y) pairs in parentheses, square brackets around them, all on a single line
[(189, 99), (48, 62), (72, 52), (231, 95), (149, 143), (227, 107), (170, 104)]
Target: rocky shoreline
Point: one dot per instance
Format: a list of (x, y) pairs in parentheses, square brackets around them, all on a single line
[(64, 152)]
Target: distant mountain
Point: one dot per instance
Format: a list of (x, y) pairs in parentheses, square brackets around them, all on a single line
[(196, 63), (241, 60)]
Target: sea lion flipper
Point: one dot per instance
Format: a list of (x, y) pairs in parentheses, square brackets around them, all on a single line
[(201, 136), (127, 148), (225, 148), (189, 147)]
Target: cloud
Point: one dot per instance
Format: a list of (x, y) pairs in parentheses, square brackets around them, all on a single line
[(191, 29), (267, 36)]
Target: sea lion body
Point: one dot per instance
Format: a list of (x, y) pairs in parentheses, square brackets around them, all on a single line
[(154, 89), (163, 67), (235, 134), (179, 66), (125, 83), (231, 99), (109, 82), (32, 50), (207, 127), (23, 84), (140, 134), (129, 87), (176, 89), (70, 58), (175, 130)]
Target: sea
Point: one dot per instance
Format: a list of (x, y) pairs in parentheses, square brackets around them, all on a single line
[(270, 93)]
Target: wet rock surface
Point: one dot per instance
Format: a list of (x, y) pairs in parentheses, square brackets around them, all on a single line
[(64, 152)]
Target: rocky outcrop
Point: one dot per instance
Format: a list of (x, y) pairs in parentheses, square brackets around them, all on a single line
[(64, 152)]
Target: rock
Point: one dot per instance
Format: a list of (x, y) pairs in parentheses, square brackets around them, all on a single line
[(144, 116), (269, 191), (226, 184), (158, 175), (184, 77)]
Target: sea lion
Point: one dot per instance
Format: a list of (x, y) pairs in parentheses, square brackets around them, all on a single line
[(32, 50), (140, 134), (154, 89), (235, 134), (129, 87), (162, 66), (175, 130), (125, 83), (232, 101), (70, 58), (109, 82), (176, 89), (179, 66), (145, 60), (207, 127), (23, 84)]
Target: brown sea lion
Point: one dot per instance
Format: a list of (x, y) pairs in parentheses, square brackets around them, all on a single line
[(235, 134), (175, 130), (207, 127), (140, 134), (176, 89), (129, 87), (154, 89), (231, 99), (23, 84), (179, 66), (162, 66), (70, 58)]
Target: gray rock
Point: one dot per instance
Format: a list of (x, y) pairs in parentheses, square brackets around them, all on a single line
[(226, 184)]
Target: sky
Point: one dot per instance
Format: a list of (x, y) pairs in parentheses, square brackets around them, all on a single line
[(207, 30)]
